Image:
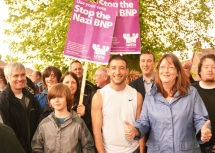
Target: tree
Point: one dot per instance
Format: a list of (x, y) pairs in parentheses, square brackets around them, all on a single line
[(41, 28), (9, 59)]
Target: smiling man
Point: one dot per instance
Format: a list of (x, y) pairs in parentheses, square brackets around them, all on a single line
[(206, 89), (18, 108), (111, 106), (147, 64)]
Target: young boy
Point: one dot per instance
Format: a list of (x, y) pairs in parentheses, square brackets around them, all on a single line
[(62, 131)]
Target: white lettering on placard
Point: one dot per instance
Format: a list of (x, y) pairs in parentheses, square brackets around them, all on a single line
[(102, 23), (84, 11), (127, 12), (81, 19), (111, 4)]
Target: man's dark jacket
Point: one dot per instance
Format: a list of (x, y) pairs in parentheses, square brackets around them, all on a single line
[(138, 84), (89, 91), (13, 114), (8, 141)]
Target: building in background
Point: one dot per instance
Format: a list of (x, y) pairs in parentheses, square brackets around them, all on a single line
[(2, 64)]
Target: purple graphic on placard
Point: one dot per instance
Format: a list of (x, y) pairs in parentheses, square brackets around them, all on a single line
[(126, 37), (90, 32)]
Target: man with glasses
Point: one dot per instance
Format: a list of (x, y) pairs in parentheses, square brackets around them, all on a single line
[(76, 67), (206, 89), (101, 77)]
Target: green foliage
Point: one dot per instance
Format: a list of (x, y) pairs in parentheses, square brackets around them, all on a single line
[(91, 71), (41, 29), (9, 59)]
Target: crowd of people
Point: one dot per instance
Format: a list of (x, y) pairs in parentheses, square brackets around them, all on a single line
[(162, 109)]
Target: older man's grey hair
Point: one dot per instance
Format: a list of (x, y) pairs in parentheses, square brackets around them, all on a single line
[(10, 67)]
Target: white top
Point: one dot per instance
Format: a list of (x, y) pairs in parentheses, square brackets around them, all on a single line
[(118, 106)]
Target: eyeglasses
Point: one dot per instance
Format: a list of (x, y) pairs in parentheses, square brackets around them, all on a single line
[(170, 68), (97, 75)]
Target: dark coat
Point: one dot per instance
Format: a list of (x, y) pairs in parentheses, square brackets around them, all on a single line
[(8, 141), (138, 84), (23, 121)]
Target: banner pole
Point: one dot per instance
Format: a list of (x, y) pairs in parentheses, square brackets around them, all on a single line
[(83, 83)]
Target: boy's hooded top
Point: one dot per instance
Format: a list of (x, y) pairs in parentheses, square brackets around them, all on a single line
[(70, 137)]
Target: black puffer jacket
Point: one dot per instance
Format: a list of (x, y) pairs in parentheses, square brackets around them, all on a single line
[(13, 114)]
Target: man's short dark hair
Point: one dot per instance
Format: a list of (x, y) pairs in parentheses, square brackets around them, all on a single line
[(148, 52), (75, 61), (118, 57), (38, 73), (208, 56)]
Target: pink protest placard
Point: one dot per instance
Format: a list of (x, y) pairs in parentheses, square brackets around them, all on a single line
[(126, 37), (90, 32)]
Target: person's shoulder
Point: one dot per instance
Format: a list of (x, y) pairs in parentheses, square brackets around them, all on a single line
[(75, 118), (88, 83), (45, 120), (195, 84), (5, 129), (73, 114), (105, 89), (3, 99), (137, 81), (27, 93), (192, 90), (153, 91), (5, 92), (130, 88), (41, 95), (99, 92), (33, 100)]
